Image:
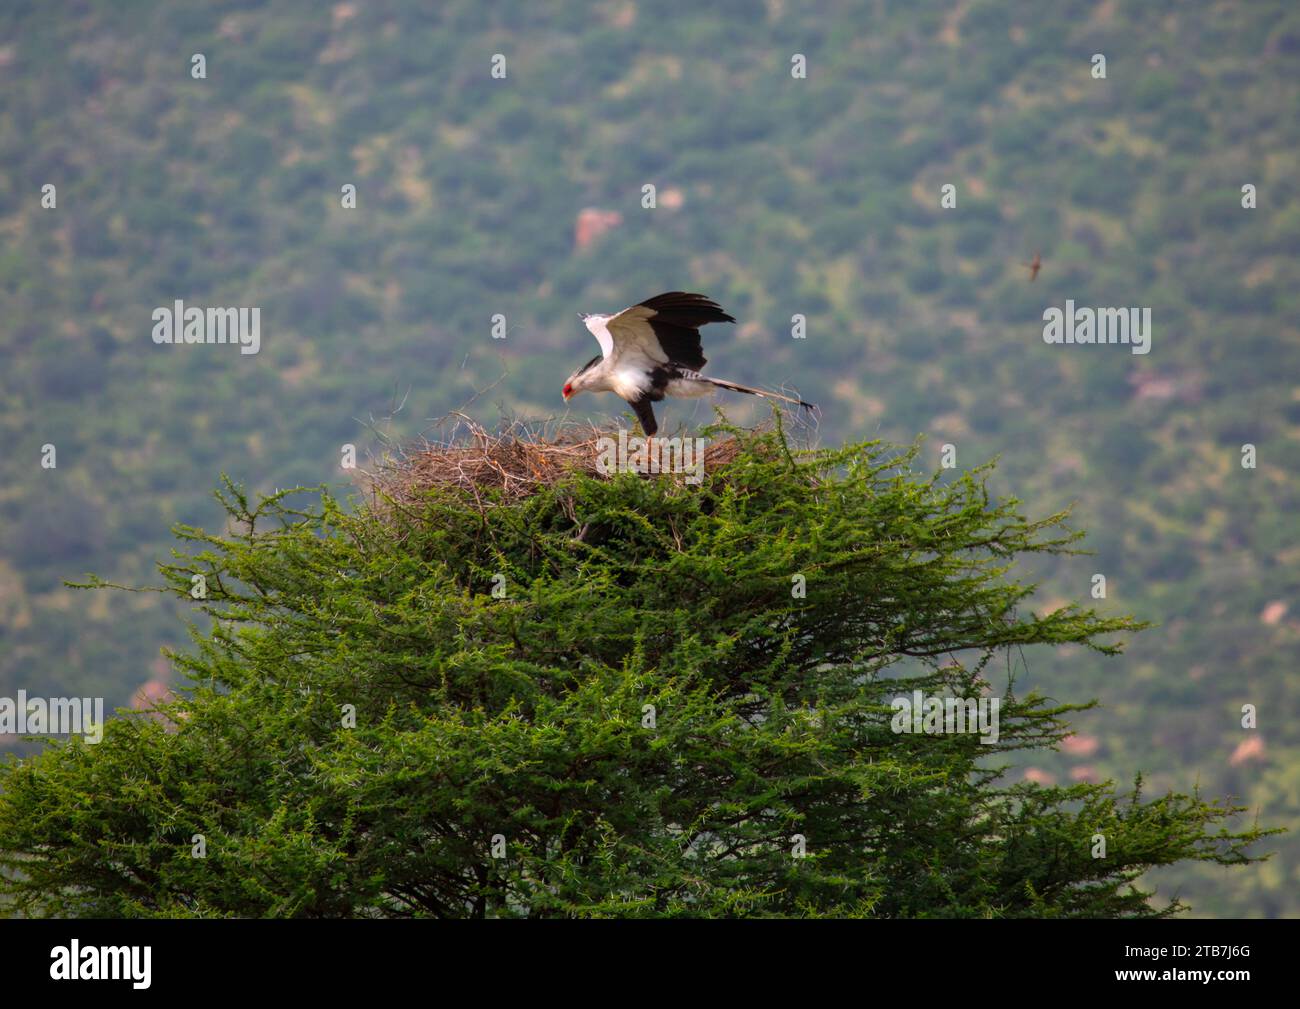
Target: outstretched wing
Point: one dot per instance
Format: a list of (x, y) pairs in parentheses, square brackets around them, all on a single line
[(596, 324), (665, 329)]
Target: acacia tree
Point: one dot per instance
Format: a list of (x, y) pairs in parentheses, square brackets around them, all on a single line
[(620, 696)]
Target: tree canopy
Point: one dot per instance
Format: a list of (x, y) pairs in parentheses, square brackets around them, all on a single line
[(623, 696)]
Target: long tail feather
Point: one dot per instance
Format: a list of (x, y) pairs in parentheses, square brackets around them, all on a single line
[(722, 383)]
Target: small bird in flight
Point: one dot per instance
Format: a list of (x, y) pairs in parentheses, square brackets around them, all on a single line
[(652, 350), (1034, 267)]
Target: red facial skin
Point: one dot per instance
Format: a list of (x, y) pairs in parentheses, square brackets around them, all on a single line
[(568, 391)]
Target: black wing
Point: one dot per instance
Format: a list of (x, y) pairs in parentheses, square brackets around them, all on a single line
[(676, 324)]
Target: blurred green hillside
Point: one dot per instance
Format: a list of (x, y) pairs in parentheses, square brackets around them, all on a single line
[(776, 196)]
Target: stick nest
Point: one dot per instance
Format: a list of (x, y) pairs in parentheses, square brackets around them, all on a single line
[(509, 464)]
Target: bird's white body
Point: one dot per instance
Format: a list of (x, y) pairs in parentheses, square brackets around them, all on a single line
[(630, 358)]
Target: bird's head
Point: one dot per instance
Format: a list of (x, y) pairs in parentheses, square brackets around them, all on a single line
[(575, 384), (572, 385), (580, 380)]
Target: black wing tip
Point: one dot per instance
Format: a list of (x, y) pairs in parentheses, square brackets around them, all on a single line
[(699, 303)]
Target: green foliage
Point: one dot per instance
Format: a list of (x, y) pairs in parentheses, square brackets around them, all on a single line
[(525, 716)]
